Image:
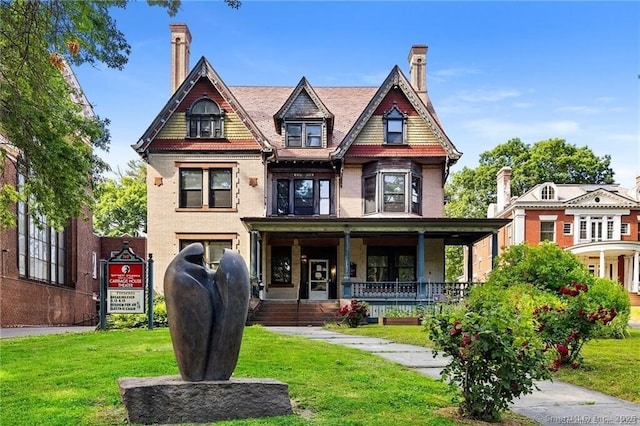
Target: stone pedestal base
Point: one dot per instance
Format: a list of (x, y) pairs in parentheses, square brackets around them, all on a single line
[(169, 399)]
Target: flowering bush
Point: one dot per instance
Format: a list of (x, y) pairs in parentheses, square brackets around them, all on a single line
[(353, 313), (495, 354)]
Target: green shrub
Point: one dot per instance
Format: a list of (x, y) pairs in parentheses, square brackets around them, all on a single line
[(545, 266), (608, 293), (119, 321)]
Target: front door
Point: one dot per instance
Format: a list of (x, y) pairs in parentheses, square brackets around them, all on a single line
[(318, 279)]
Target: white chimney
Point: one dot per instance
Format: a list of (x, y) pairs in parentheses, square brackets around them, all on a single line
[(504, 189), (418, 70), (180, 46)]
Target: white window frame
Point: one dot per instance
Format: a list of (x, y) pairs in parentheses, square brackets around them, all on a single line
[(567, 228), (625, 228), (545, 232)]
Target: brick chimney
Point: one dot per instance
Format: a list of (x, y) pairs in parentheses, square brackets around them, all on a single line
[(418, 70), (180, 46), (503, 192)]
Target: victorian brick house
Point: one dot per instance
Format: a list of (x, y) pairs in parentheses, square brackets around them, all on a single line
[(328, 192), (598, 223)]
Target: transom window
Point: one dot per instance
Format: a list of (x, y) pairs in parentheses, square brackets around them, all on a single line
[(305, 196), (308, 135), (597, 228), (205, 119), (213, 250), (192, 188), (392, 191), (394, 126)]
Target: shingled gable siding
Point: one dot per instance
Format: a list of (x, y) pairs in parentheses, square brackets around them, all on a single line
[(176, 127), (304, 107), (417, 131)]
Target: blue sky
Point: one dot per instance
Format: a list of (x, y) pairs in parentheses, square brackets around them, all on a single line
[(495, 70)]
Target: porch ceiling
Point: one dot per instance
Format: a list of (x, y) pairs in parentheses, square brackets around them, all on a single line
[(455, 231)]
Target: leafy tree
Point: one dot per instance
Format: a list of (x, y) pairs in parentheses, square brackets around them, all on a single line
[(469, 192), (121, 204), (45, 136)]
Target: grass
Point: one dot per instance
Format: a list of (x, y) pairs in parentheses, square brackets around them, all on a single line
[(610, 366), (72, 379)]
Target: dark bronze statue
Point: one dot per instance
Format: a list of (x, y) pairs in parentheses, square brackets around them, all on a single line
[(207, 312)]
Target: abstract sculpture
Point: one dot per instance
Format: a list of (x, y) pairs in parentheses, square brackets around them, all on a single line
[(207, 312)]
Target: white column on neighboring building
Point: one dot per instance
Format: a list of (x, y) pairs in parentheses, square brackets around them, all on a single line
[(636, 265), (602, 267), (518, 226)]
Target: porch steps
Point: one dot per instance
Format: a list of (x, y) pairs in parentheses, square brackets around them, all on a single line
[(294, 313), (634, 298)]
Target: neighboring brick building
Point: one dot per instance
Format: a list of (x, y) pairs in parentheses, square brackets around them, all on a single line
[(47, 277), (328, 192), (598, 223)]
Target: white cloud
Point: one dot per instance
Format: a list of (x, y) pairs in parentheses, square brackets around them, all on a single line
[(487, 95), (580, 109), (504, 130), (453, 72)]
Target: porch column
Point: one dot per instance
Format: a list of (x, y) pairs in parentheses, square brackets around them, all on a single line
[(347, 291), (636, 265), (602, 267), (422, 287), (494, 249), (469, 263)]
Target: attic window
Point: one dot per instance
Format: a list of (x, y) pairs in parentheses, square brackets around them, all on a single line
[(307, 135), (394, 126), (205, 120), (548, 192)]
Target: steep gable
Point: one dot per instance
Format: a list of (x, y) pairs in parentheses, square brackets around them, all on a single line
[(601, 198), (427, 138), (168, 129), (303, 102)]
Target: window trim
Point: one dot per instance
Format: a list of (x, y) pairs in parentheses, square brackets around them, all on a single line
[(282, 201), (206, 240), (206, 169), (552, 232), (374, 195), (287, 255), (394, 116), (216, 120), (303, 140)]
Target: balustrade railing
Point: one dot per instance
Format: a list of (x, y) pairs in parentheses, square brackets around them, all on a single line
[(427, 292)]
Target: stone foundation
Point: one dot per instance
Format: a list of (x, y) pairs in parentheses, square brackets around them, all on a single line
[(169, 399)]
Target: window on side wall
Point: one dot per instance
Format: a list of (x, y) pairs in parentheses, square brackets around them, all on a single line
[(213, 250), (205, 120), (42, 251), (567, 228), (547, 231), (625, 228)]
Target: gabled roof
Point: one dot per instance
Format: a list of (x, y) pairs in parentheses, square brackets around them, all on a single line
[(396, 79), (602, 197), (202, 69), (303, 85)]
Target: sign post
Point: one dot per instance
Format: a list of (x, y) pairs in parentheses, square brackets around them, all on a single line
[(125, 282)]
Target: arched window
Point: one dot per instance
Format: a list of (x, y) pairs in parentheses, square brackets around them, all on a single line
[(205, 119), (548, 192)]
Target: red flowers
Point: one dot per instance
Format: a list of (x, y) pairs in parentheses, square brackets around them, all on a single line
[(573, 289)]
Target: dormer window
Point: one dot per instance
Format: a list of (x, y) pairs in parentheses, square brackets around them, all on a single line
[(394, 126), (308, 135), (548, 192), (205, 120)]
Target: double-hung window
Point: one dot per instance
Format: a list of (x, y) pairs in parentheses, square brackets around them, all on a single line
[(307, 135), (281, 264), (391, 264), (547, 231), (190, 188), (302, 196), (194, 193), (205, 120)]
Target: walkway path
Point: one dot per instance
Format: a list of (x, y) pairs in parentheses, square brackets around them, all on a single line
[(554, 404)]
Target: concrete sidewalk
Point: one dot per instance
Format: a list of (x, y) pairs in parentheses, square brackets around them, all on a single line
[(555, 403), (35, 331)]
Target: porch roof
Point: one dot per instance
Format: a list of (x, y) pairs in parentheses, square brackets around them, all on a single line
[(455, 231)]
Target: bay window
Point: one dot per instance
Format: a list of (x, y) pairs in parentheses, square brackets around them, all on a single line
[(392, 189)]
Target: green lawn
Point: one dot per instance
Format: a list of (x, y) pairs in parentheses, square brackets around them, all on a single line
[(610, 366), (72, 379)]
